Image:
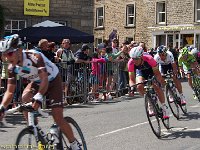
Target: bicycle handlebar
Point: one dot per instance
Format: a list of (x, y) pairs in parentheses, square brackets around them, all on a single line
[(26, 107)]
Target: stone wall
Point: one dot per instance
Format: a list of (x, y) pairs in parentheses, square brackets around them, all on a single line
[(179, 12), (77, 13)]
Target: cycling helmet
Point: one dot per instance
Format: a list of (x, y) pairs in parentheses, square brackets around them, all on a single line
[(194, 52), (10, 43), (161, 49), (184, 51), (136, 52)]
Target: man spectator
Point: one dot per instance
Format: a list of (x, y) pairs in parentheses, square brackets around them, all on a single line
[(113, 35), (82, 54), (67, 58)]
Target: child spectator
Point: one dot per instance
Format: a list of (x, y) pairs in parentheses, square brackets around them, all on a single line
[(95, 74)]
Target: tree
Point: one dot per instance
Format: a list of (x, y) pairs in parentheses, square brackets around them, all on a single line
[(2, 21)]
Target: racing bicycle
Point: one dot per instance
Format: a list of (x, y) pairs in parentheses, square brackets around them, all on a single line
[(171, 91), (32, 136), (151, 101)]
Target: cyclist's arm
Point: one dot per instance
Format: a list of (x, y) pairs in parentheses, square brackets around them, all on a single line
[(131, 70), (132, 80), (43, 75), (11, 85), (158, 75)]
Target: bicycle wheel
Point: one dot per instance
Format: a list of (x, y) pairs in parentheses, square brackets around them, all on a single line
[(27, 140), (154, 121), (77, 133), (172, 104), (183, 107)]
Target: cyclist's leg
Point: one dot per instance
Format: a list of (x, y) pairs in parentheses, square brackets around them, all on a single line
[(160, 93), (55, 96), (140, 78), (189, 79)]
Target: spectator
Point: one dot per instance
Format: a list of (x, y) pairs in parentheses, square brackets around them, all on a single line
[(68, 59), (115, 46), (123, 70), (52, 47), (95, 74), (110, 70), (113, 35), (44, 48), (143, 45)]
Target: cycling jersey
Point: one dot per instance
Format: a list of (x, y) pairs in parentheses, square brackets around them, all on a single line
[(32, 62), (169, 59), (166, 65), (145, 69), (187, 63)]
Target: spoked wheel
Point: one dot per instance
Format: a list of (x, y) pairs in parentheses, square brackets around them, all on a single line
[(26, 140), (172, 103), (153, 119), (65, 145), (183, 107)]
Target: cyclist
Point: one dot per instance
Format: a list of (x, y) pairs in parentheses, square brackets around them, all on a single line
[(187, 61), (196, 54), (144, 66), (166, 62), (44, 79)]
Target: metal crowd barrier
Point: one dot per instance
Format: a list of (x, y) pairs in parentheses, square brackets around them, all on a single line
[(84, 82)]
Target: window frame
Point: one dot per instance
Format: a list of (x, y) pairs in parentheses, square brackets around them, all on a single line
[(127, 24), (158, 13), (196, 10), (11, 22), (97, 40), (100, 17)]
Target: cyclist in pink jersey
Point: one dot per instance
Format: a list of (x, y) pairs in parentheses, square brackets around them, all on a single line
[(142, 67)]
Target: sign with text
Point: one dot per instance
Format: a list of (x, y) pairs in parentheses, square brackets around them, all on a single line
[(36, 7)]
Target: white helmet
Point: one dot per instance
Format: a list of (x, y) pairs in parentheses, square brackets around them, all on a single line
[(195, 52), (136, 52), (10, 43)]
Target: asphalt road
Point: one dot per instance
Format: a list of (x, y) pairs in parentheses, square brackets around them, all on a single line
[(122, 125)]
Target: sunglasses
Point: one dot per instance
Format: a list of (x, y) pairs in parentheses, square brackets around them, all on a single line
[(10, 54)]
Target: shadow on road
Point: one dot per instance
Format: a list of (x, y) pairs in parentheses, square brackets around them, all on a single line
[(183, 133), (190, 116)]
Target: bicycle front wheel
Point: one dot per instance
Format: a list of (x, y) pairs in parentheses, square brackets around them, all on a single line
[(172, 102), (152, 117), (77, 133), (26, 140)]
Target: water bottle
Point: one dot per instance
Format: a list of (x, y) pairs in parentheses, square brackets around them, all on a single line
[(54, 130)]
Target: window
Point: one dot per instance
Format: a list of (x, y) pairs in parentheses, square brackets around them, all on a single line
[(64, 23), (12, 26), (99, 40), (161, 13), (130, 15), (197, 10), (129, 39), (99, 17)]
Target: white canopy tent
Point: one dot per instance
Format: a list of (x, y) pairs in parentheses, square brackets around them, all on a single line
[(47, 23)]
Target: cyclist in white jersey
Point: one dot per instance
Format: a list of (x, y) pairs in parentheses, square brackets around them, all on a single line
[(166, 62), (44, 79)]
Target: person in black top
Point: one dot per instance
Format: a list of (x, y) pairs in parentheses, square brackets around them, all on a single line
[(44, 48)]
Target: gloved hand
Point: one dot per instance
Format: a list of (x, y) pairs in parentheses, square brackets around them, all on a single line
[(37, 101)]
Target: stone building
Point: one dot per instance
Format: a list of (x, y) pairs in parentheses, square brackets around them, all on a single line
[(168, 22), (74, 13)]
